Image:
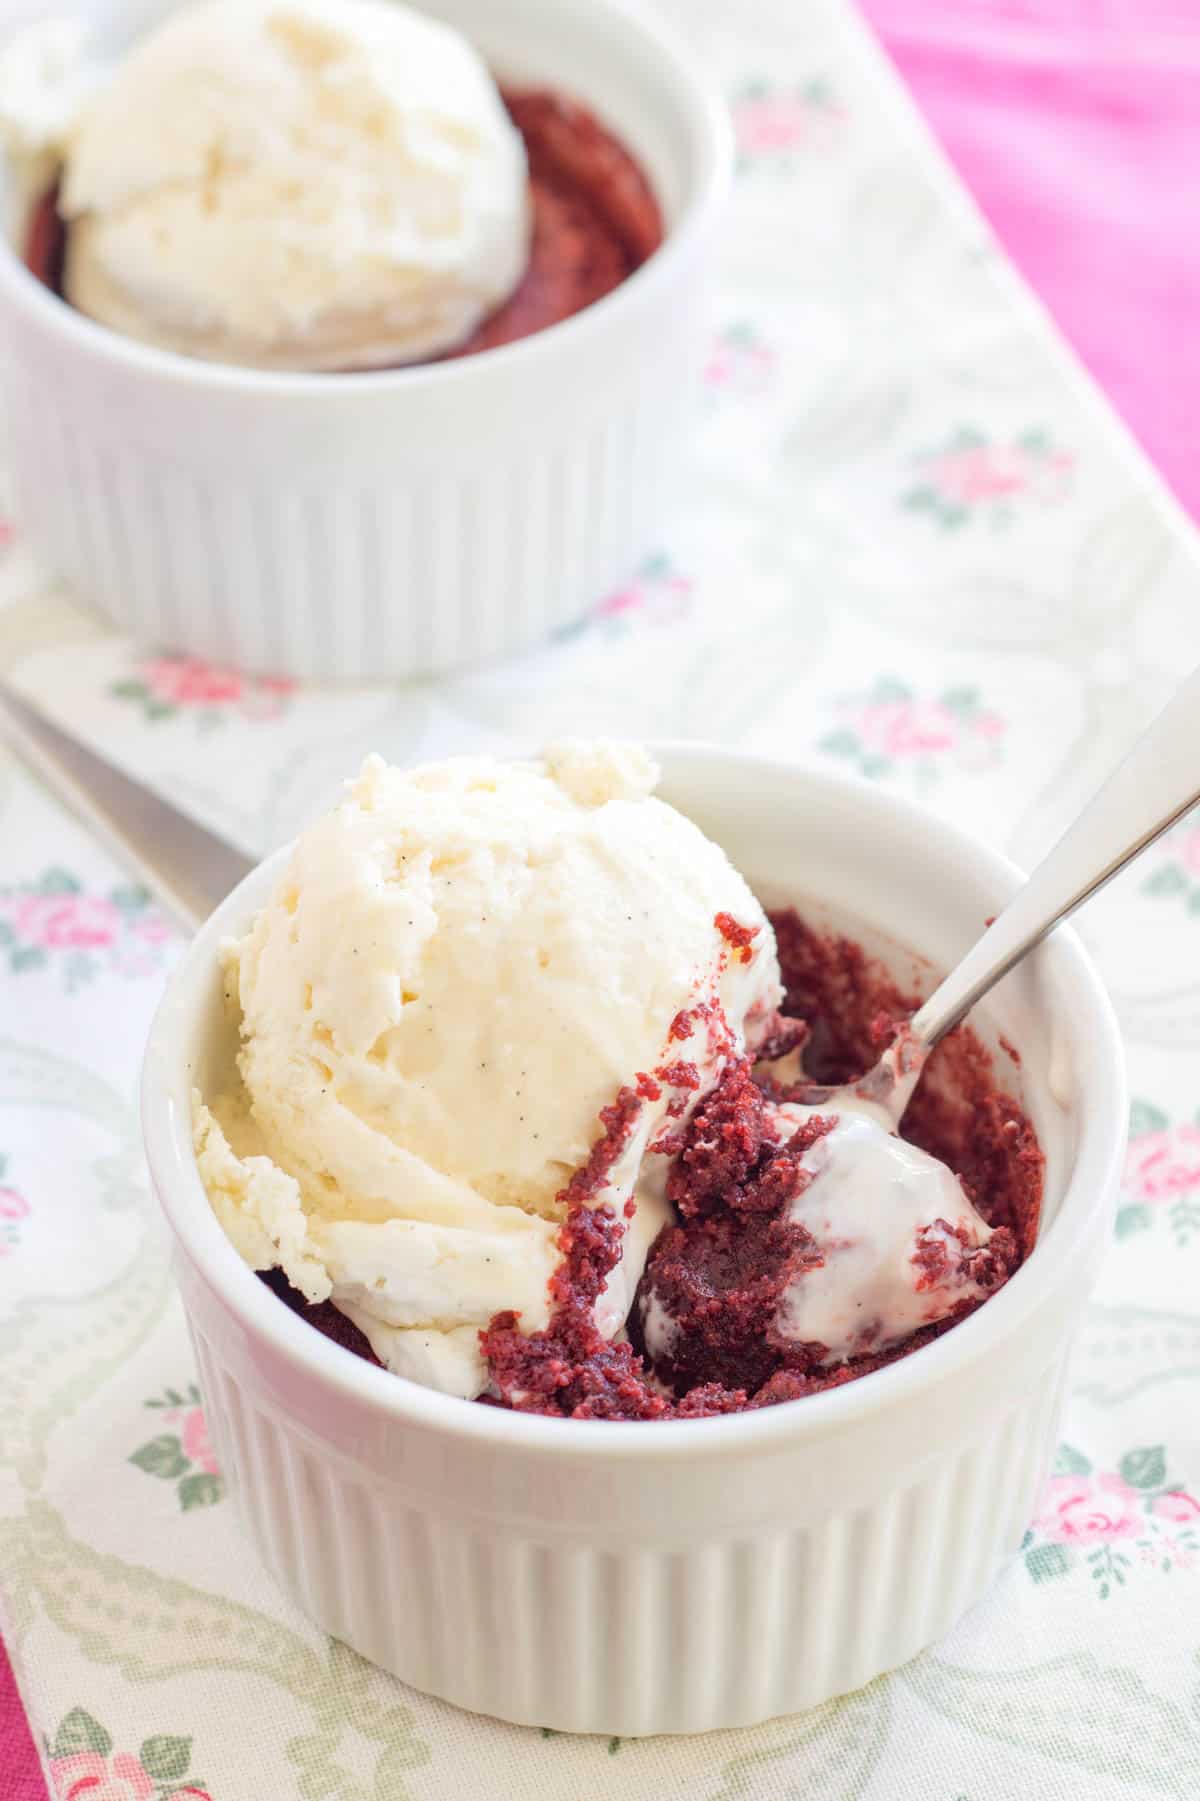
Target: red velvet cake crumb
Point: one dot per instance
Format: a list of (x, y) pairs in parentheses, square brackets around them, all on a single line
[(324, 1316), (683, 1025), (618, 1122), (738, 937), (679, 1075)]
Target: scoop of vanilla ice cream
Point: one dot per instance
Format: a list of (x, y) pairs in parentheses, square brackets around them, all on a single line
[(296, 184), (461, 967)]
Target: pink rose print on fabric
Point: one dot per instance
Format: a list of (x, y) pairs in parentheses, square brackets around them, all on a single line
[(168, 687), (14, 1211), (84, 1766), (7, 534), (659, 595), (1089, 1510), (1164, 1163), (971, 477), (1161, 1187), (182, 1455), (62, 920), (890, 729), (89, 1777), (773, 124), (54, 923), (1179, 1507), (194, 1438), (1112, 1522), (740, 364), (1176, 875)]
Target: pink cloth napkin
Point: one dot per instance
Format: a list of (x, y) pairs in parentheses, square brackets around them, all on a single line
[(20, 1771), (1076, 124)]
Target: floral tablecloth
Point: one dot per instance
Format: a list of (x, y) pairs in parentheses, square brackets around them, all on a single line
[(917, 544)]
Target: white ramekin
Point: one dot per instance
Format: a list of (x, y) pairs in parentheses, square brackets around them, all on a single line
[(672, 1577), (400, 523)]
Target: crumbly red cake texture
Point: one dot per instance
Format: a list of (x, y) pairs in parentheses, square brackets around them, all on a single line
[(324, 1316), (569, 1368), (595, 220), (721, 1272), (723, 1267), (738, 937)]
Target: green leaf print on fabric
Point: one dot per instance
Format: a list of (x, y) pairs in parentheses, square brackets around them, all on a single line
[(163, 1456), (166, 1758), (171, 1397), (1070, 1462), (80, 1732), (1046, 1563), (58, 881), (200, 1489), (1107, 1568), (1130, 1220), (183, 1456), (1145, 1468), (1168, 880)]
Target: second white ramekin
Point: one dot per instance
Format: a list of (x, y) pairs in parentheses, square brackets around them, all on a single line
[(674, 1576), (400, 523)]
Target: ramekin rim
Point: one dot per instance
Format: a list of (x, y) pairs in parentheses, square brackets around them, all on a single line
[(168, 1139), (130, 357)]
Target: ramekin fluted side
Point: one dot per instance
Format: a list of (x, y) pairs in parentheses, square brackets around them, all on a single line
[(546, 1630), (355, 572)]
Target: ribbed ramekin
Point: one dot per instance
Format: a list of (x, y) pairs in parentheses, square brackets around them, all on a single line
[(676, 1576), (400, 523)]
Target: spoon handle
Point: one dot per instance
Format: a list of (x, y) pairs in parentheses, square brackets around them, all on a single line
[(1158, 781), (186, 868)]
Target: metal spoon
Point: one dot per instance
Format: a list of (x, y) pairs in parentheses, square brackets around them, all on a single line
[(1156, 784), (188, 870)]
